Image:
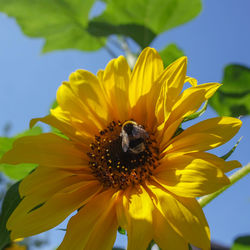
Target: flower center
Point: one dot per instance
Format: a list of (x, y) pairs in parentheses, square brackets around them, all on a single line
[(123, 155)]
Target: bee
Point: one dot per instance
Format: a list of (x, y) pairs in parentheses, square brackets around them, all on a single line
[(133, 137)]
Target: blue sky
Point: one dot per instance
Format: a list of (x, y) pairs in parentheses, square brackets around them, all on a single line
[(218, 36)]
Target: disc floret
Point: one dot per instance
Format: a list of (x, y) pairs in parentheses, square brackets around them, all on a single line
[(118, 168)]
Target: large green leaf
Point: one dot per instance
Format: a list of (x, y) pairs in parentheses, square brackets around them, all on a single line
[(233, 97), (242, 243), (33, 131), (5, 144), (139, 33), (10, 202), (19, 171), (142, 20), (170, 53), (61, 22)]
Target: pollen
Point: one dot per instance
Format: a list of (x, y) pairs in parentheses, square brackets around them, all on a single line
[(118, 169)]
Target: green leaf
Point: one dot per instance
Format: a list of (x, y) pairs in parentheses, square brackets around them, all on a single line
[(139, 33), (233, 97), (16, 172), (10, 202), (5, 144), (170, 53), (143, 20), (33, 131), (61, 22), (241, 243)]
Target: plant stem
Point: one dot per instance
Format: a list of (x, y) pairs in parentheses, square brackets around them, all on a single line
[(233, 178), (131, 57)]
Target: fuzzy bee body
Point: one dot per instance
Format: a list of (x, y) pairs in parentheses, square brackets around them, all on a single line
[(133, 137)]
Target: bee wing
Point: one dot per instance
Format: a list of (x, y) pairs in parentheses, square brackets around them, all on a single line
[(138, 149), (139, 132), (125, 142)]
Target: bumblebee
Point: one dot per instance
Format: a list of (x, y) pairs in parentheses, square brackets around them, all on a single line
[(133, 137)]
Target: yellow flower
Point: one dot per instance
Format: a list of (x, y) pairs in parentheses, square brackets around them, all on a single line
[(122, 163)]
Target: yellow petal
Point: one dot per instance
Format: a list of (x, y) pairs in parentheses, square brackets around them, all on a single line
[(61, 120), (191, 99), (83, 98), (41, 196), (205, 135), (44, 179), (87, 87), (165, 236), (94, 226), (164, 136), (105, 231), (224, 166), (231, 165), (53, 212), (186, 104), (147, 68), (173, 81), (174, 75), (134, 213), (191, 80), (190, 176), (115, 80), (45, 149), (160, 109), (143, 89), (185, 216)]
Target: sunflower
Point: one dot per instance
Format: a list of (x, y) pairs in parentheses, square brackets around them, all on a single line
[(122, 160)]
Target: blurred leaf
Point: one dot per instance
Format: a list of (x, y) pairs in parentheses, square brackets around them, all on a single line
[(236, 79), (62, 23), (143, 20), (233, 97), (5, 144), (139, 33), (241, 243), (33, 131), (170, 53), (19, 171), (10, 202)]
